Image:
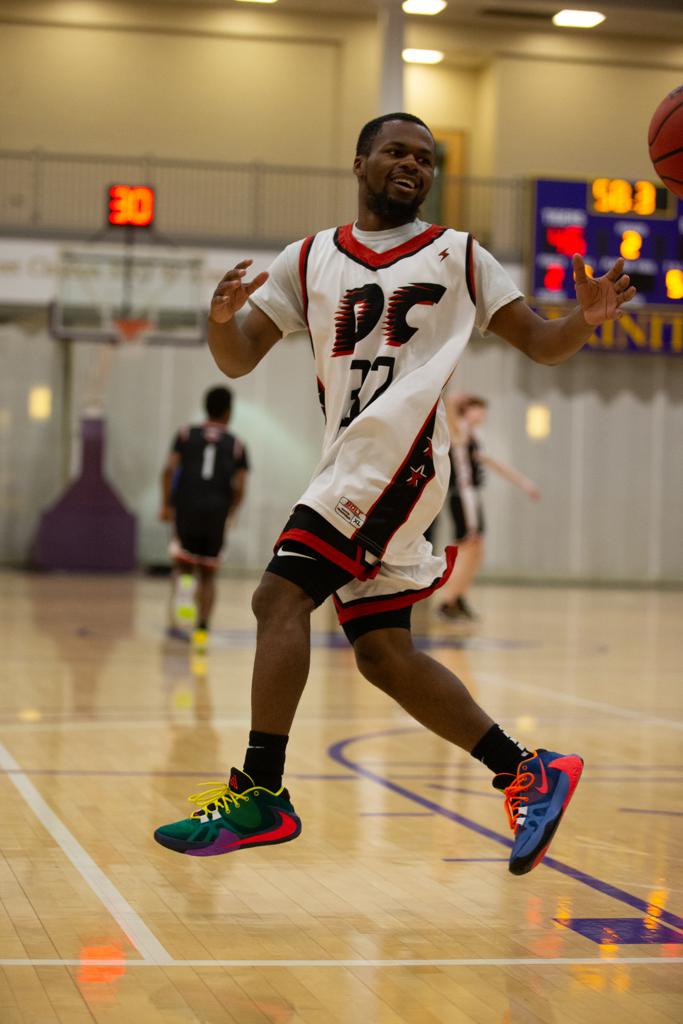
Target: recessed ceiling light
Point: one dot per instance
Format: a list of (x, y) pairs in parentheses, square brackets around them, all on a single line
[(422, 56), (578, 19), (424, 6)]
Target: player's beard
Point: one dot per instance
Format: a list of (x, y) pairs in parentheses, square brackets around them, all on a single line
[(394, 210)]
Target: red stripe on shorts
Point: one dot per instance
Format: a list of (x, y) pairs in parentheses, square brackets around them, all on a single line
[(370, 606)]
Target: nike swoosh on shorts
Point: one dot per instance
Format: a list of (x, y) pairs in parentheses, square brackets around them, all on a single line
[(294, 554)]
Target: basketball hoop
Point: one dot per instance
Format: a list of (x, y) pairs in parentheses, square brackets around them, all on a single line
[(132, 329)]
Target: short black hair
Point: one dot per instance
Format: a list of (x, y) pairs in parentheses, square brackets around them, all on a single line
[(471, 402), (370, 131), (218, 402)]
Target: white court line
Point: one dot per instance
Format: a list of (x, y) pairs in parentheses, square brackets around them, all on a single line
[(129, 921), (531, 961), (584, 702)]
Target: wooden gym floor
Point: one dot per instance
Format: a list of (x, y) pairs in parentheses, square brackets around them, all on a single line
[(395, 905)]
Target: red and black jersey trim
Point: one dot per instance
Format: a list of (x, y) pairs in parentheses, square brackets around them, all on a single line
[(349, 245), (364, 606), (402, 493), (469, 270), (304, 254)]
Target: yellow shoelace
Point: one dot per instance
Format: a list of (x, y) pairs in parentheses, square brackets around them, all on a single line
[(217, 794)]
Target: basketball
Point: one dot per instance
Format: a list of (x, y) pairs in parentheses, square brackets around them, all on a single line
[(665, 139)]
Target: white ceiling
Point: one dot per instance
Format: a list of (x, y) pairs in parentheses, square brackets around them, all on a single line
[(651, 19)]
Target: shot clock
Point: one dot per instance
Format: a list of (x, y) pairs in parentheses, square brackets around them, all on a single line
[(603, 219), (130, 206)]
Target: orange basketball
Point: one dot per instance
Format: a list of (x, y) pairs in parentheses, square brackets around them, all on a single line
[(665, 139)]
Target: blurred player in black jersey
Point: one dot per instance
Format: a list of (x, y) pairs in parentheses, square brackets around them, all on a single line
[(466, 413), (203, 485)]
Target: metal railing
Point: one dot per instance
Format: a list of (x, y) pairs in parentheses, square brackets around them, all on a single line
[(60, 194)]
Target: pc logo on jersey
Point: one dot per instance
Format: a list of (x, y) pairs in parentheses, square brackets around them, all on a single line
[(360, 310)]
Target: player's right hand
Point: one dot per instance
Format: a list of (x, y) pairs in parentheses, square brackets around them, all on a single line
[(233, 291)]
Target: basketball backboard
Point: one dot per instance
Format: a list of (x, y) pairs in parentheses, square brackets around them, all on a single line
[(132, 293)]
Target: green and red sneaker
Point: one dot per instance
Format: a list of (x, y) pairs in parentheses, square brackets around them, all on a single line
[(232, 817)]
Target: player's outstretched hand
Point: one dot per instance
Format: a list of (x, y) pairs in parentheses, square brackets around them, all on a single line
[(601, 298), (233, 291)]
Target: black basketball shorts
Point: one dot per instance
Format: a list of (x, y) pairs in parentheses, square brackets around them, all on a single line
[(199, 538), (458, 515), (368, 594)]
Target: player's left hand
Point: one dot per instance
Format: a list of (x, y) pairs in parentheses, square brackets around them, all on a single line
[(601, 298)]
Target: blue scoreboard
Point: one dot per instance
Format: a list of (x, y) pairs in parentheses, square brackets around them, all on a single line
[(602, 220)]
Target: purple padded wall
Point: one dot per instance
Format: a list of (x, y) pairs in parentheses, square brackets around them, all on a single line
[(88, 529)]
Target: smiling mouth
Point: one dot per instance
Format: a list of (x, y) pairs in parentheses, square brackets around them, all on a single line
[(405, 184)]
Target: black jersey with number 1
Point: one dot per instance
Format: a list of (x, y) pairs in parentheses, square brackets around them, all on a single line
[(209, 459)]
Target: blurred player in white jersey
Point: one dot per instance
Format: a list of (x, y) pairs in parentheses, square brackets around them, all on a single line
[(390, 303), (469, 462)]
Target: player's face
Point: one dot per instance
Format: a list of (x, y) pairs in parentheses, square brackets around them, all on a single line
[(476, 415), (397, 174)]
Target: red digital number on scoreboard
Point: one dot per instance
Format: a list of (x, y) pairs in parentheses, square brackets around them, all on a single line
[(131, 206)]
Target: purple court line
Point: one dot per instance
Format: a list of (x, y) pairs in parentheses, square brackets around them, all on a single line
[(465, 769), (642, 810), (602, 780), (337, 753)]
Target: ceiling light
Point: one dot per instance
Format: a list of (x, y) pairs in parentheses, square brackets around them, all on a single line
[(422, 56), (578, 19), (424, 6)]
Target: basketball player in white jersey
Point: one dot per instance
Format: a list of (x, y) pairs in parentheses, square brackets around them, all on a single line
[(390, 303)]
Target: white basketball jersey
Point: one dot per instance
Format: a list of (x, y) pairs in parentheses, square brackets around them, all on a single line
[(388, 329)]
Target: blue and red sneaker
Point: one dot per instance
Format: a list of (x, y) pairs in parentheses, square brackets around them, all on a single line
[(535, 801), (232, 817)]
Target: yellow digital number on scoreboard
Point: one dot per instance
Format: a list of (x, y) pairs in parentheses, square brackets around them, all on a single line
[(674, 284), (618, 197)]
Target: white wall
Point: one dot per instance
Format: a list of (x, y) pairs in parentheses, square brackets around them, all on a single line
[(610, 472), (576, 119), (184, 81), (238, 84)]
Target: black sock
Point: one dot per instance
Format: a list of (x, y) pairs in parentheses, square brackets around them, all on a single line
[(265, 759), (500, 753)]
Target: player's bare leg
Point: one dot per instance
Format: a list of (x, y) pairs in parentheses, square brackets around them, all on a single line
[(422, 686), (470, 555), (538, 785), (253, 809), (206, 594), (205, 597), (283, 653)]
